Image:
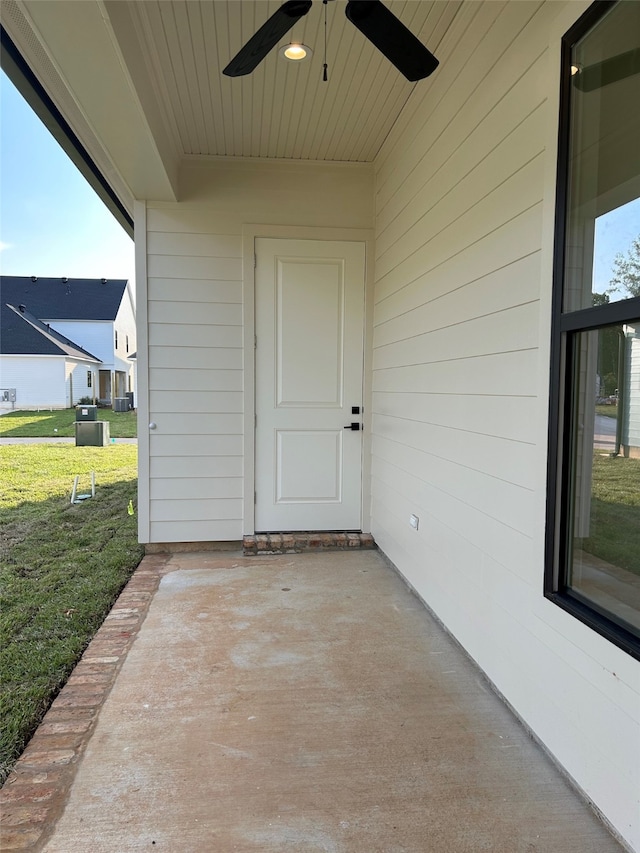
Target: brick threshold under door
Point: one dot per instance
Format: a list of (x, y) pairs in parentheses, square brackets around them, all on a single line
[(298, 542)]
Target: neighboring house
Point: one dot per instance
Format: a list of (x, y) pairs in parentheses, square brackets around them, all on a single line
[(629, 399), (412, 257), (133, 358), (39, 367), (97, 315)]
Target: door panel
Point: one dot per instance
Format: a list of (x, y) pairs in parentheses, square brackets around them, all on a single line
[(308, 466), (309, 361), (309, 355)]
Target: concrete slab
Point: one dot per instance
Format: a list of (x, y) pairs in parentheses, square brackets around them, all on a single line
[(308, 702)]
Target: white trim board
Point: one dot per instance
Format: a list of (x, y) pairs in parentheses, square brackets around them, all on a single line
[(249, 234)]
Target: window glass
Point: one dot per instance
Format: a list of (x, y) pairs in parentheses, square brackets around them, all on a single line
[(603, 215), (616, 255), (604, 553), (593, 542)]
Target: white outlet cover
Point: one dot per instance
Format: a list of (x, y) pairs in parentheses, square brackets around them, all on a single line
[(414, 521)]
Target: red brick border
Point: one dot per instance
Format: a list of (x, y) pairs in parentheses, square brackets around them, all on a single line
[(35, 792), (296, 543)]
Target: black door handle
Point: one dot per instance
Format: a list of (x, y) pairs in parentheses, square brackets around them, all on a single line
[(354, 425)]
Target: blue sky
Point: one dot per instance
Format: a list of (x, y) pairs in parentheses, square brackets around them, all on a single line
[(51, 222), (615, 232)]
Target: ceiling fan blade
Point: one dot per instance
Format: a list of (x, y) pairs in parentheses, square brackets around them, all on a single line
[(267, 37), (392, 38), (608, 71)]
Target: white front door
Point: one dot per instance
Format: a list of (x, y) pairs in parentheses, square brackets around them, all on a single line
[(309, 371)]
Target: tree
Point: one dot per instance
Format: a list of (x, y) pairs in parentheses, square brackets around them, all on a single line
[(626, 271), (607, 351)]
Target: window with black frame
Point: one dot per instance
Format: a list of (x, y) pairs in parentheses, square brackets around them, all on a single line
[(593, 538)]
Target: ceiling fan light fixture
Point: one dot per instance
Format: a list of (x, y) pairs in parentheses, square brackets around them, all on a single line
[(296, 52), (375, 21)]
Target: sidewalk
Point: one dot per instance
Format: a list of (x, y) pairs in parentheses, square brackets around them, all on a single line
[(56, 440)]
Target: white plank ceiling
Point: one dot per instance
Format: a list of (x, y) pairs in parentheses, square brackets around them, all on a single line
[(283, 109)]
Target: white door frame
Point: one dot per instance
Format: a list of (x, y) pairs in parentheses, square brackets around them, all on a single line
[(249, 235)]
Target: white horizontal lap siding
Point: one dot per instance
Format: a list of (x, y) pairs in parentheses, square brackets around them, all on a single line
[(195, 386), (40, 381), (94, 336), (458, 239), (80, 372), (457, 411), (125, 325), (631, 416)]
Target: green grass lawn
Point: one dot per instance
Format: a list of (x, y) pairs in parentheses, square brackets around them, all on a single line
[(607, 411), (615, 512), (59, 424), (61, 568)]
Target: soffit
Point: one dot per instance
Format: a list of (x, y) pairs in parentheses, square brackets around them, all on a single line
[(281, 110), (140, 82), (71, 50)]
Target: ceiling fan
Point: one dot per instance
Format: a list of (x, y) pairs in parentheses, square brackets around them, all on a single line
[(374, 20)]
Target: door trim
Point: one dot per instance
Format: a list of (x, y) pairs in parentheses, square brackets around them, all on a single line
[(249, 234)]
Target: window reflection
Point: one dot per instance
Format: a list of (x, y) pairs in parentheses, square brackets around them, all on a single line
[(616, 256), (603, 204), (604, 565)]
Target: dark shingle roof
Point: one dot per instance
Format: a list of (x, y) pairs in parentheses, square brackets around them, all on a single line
[(24, 334), (57, 299)]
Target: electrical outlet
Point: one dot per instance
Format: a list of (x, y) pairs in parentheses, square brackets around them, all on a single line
[(414, 521)]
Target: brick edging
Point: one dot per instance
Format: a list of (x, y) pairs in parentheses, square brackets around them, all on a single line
[(35, 792), (298, 542)]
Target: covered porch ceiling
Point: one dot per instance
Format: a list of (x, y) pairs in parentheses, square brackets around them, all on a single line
[(141, 85)]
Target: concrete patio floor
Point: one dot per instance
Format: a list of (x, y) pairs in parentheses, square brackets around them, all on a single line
[(309, 702)]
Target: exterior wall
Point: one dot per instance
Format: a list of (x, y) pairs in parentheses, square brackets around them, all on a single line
[(40, 381), (465, 189), (77, 385), (94, 336), (98, 336), (190, 302), (125, 326), (631, 410), (134, 386)]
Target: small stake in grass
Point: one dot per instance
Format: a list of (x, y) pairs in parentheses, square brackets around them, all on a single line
[(76, 498)]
